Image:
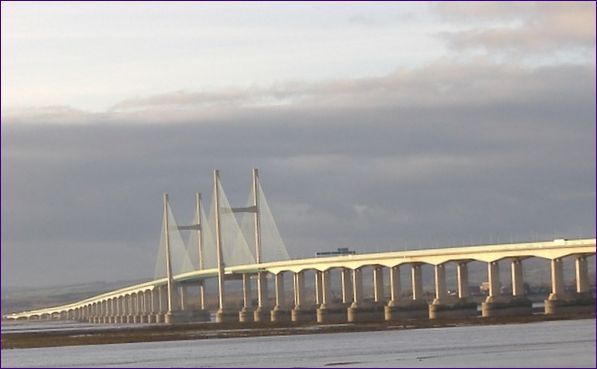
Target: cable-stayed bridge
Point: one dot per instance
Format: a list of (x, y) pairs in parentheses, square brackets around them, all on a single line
[(244, 243)]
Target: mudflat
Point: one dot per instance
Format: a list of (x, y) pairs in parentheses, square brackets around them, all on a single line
[(194, 331)]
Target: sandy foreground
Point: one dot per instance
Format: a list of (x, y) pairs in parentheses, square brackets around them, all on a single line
[(194, 331)]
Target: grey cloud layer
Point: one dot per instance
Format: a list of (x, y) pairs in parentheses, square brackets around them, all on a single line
[(443, 154), (444, 84)]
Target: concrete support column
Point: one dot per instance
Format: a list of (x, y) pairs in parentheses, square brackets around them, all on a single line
[(561, 302), (263, 312), (417, 281), (280, 311), (117, 312), (378, 287), (161, 298), (247, 301), (318, 288), (498, 305), (299, 290), (246, 313), (517, 278), (279, 284), (582, 274), (557, 279), (96, 313), (182, 291), (463, 287), (440, 284), (261, 290), (124, 309), (360, 311), (141, 299), (301, 312), (136, 308), (394, 285), (112, 310), (153, 306), (493, 277), (328, 311), (161, 304), (202, 295), (357, 287), (143, 307), (130, 308), (326, 290), (346, 293)]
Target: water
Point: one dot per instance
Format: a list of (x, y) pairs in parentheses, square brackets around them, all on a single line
[(545, 344), (58, 325)]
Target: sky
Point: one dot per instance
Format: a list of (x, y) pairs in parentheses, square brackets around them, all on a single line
[(375, 126)]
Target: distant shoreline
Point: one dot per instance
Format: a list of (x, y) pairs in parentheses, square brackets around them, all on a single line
[(196, 331)]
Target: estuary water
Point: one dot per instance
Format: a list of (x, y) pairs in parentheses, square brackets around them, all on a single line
[(546, 344)]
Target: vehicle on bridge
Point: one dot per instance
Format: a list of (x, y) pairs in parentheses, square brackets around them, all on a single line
[(338, 252)]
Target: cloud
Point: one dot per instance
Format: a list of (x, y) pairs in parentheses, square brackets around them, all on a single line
[(520, 28), (445, 83), (448, 152)]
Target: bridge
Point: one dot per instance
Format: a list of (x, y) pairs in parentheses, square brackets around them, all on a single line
[(218, 249)]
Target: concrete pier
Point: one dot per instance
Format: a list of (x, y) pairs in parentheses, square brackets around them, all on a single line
[(346, 287), (359, 311), (280, 312), (414, 308), (173, 317), (160, 315), (444, 306), (378, 286), (560, 302), (300, 312), (246, 313), (328, 311), (497, 304), (262, 312)]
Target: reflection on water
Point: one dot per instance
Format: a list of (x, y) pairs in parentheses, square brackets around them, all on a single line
[(559, 344)]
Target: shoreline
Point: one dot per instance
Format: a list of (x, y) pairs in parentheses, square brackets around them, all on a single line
[(199, 331)]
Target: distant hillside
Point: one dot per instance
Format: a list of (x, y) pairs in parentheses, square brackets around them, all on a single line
[(19, 299)]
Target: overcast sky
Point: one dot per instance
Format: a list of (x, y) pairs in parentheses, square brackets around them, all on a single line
[(375, 126)]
